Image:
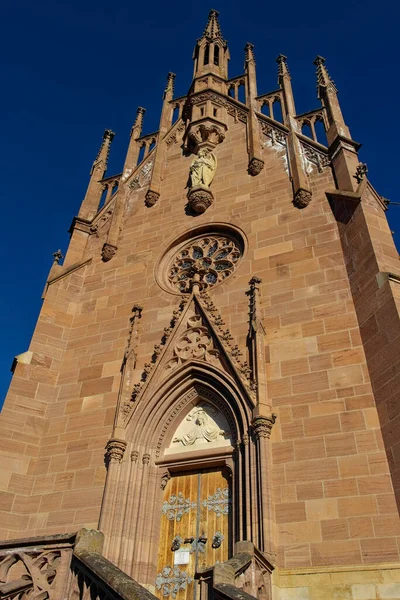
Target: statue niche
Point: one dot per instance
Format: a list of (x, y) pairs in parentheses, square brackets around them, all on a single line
[(204, 426), (201, 174), (202, 169)]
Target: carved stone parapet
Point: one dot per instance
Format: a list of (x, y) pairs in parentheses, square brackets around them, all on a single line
[(302, 198), (262, 426), (108, 252), (255, 166), (200, 198), (151, 198), (115, 450)]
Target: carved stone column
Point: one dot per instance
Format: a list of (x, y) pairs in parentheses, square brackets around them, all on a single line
[(262, 426), (115, 450), (141, 538)]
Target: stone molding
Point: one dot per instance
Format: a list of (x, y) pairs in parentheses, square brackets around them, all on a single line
[(115, 450), (262, 426)]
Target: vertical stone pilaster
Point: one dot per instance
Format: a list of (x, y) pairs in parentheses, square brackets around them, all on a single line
[(256, 164), (115, 450), (262, 426), (153, 193), (301, 187)]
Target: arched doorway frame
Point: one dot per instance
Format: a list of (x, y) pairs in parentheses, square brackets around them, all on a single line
[(134, 500)]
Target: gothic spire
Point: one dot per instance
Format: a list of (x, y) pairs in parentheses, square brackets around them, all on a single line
[(284, 80), (213, 31), (92, 198), (344, 149), (256, 163), (133, 148), (327, 93), (169, 88), (323, 78), (211, 54), (249, 53), (283, 68)]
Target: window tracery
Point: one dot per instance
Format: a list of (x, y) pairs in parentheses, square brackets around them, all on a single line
[(213, 258)]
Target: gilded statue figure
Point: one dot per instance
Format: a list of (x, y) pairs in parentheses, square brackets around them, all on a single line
[(202, 169)]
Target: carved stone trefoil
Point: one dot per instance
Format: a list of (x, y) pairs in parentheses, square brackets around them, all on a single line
[(200, 198), (151, 198), (302, 198), (255, 166), (108, 252)]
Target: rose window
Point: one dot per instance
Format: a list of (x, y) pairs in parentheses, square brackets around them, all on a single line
[(212, 258)]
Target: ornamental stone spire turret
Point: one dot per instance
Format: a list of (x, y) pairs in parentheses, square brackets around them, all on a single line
[(342, 148), (327, 93), (92, 198), (301, 187), (153, 193), (256, 164), (133, 148), (211, 54)]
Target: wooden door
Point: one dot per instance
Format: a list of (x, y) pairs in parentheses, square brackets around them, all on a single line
[(195, 530)]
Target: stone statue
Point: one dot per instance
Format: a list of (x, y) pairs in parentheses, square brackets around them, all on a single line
[(203, 428), (202, 169)]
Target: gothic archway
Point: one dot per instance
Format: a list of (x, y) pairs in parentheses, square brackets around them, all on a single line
[(134, 502)]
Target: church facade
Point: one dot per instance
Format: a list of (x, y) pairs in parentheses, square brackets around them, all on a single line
[(209, 406)]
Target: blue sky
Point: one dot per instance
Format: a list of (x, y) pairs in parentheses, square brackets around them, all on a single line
[(72, 68)]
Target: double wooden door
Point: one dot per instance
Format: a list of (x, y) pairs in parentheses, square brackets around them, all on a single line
[(195, 530)]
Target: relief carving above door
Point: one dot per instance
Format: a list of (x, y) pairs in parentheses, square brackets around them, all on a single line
[(203, 426)]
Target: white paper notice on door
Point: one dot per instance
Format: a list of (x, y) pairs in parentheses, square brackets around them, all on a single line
[(181, 557)]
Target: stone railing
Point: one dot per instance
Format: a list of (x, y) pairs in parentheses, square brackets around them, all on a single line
[(245, 576), (63, 567)]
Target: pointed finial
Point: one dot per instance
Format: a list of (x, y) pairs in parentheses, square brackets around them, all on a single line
[(108, 137), (212, 29), (57, 256), (249, 52), (169, 88), (283, 68), (323, 77), (138, 124), (139, 117)]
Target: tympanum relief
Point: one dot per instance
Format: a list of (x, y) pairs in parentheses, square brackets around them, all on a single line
[(203, 427)]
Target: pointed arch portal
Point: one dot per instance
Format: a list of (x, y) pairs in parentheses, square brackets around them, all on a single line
[(191, 480)]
